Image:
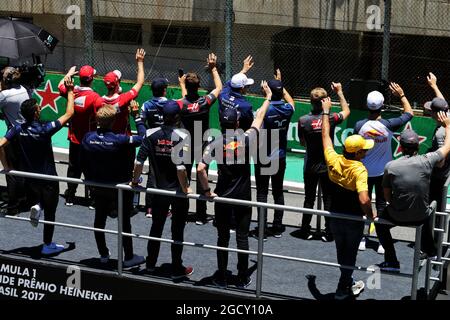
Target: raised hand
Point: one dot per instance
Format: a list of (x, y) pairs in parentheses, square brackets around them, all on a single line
[(432, 80), (443, 118), (278, 74), (134, 108), (396, 89), (248, 64), (211, 61), (68, 82), (326, 105), (336, 87), (140, 55), (266, 89)]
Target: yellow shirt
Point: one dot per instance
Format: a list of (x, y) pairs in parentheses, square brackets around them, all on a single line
[(349, 174)]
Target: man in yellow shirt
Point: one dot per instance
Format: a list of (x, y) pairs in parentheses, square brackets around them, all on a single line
[(349, 195)]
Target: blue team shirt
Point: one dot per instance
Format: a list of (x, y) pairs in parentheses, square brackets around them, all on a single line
[(232, 99), (278, 117), (105, 156), (35, 146), (151, 111)]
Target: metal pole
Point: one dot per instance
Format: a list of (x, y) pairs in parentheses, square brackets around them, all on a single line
[(386, 41), (319, 207), (228, 38), (88, 32), (262, 215), (119, 232), (416, 263)]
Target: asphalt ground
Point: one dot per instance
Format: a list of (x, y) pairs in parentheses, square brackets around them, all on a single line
[(281, 278)]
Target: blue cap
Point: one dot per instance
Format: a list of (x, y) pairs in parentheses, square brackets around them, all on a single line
[(276, 86), (159, 83), (229, 115), (171, 108)]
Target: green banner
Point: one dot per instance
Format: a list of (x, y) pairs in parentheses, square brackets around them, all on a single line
[(53, 106)]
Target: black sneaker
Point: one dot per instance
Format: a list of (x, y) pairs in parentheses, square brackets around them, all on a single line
[(327, 237), (219, 282), (243, 282), (389, 266), (305, 234), (255, 234), (277, 231), (69, 198), (425, 256)]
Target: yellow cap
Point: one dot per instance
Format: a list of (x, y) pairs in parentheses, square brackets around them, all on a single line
[(356, 142)]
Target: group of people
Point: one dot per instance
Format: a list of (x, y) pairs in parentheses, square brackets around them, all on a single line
[(173, 135)]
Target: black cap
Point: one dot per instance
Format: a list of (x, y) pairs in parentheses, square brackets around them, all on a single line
[(276, 86), (159, 83), (436, 105), (171, 108), (229, 115), (409, 138)]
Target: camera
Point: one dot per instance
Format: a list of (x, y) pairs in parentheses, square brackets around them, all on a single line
[(31, 77)]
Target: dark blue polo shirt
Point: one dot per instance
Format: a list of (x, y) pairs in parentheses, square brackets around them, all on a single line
[(233, 99), (105, 154), (278, 117), (151, 112), (35, 146)]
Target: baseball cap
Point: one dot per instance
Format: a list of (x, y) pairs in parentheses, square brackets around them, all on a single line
[(229, 115), (276, 86), (240, 80), (375, 100), (436, 105), (408, 138), (356, 142), (159, 83), (87, 72), (171, 108), (111, 79)]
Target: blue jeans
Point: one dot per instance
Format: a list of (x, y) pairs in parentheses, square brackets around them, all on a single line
[(347, 235)]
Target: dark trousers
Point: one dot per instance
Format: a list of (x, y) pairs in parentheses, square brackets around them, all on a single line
[(262, 190), (150, 184), (46, 193), (384, 235), (180, 209), (74, 168), (224, 215), (105, 202), (347, 235), (200, 204), (438, 192), (15, 185), (380, 202), (311, 179)]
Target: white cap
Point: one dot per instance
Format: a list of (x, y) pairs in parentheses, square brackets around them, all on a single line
[(240, 80), (375, 100), (118, 74)]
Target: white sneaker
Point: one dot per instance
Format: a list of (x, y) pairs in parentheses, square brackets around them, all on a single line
[(35, 214), (362, 245), (105, 259), (52, 248), (380, 249), (357, 287), (135, 261)]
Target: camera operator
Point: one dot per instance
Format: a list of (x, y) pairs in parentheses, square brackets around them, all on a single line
[(12, 95)]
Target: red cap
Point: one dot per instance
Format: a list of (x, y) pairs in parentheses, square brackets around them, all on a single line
[(111, 80), (87, 72)]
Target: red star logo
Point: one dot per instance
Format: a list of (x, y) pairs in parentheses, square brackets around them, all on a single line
[(398, 149), (48, 97)]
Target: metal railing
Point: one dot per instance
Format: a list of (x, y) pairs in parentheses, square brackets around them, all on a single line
[(260, 251)]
